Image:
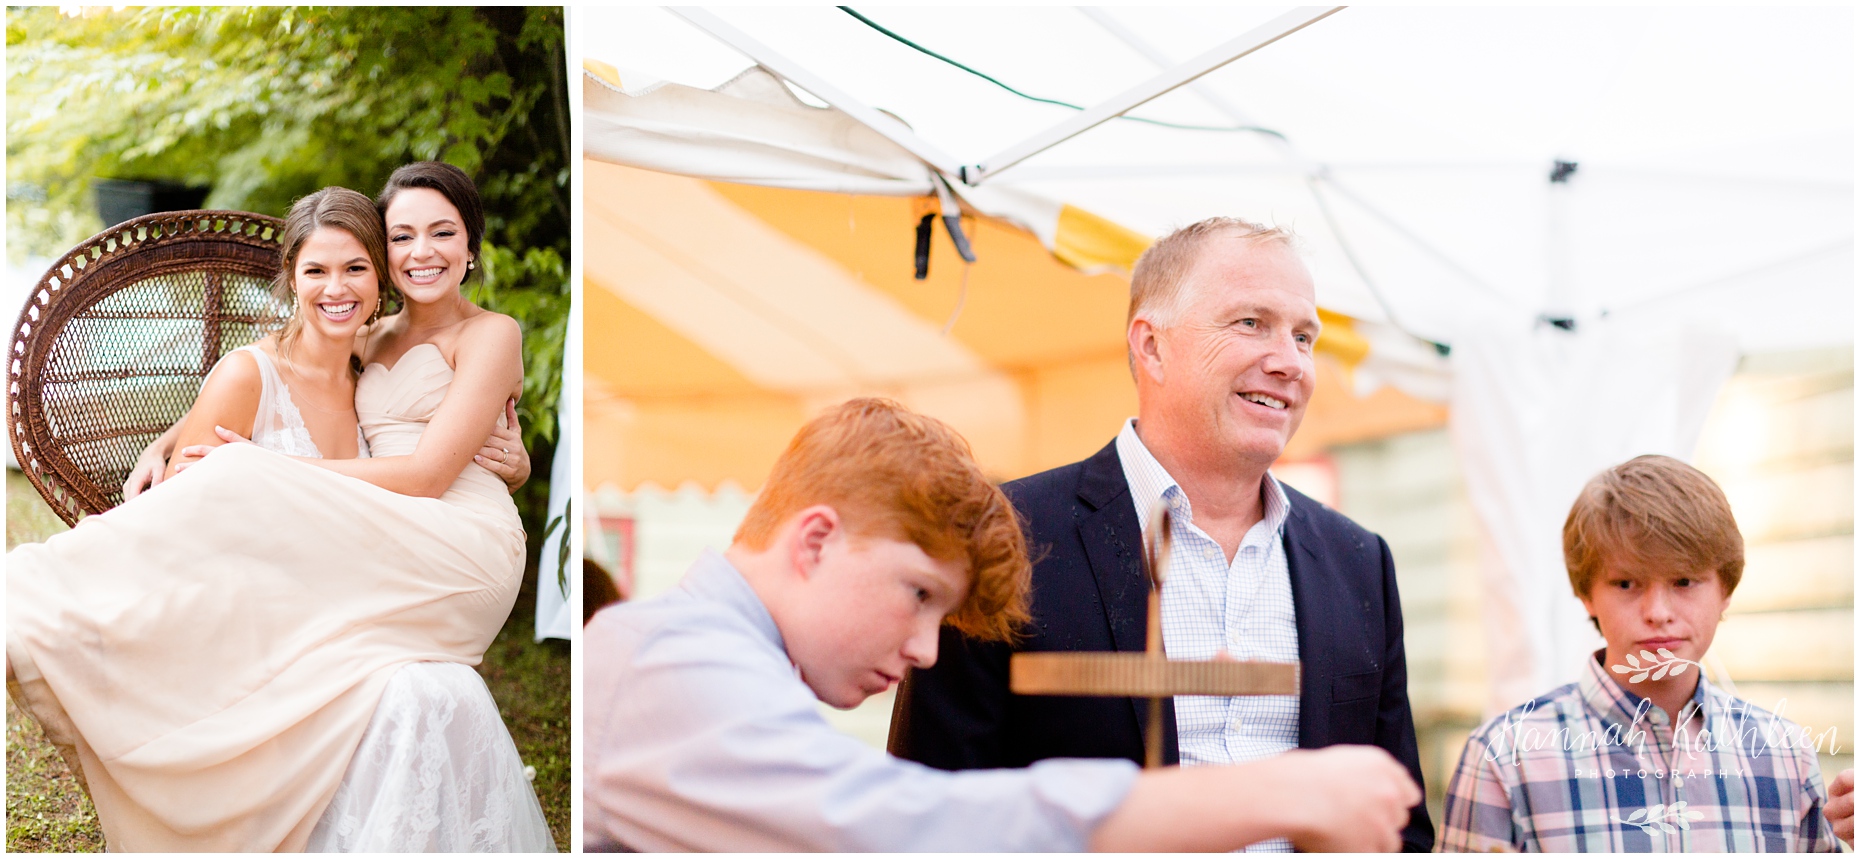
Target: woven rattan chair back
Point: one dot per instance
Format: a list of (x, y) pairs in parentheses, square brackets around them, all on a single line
[(119, 335)]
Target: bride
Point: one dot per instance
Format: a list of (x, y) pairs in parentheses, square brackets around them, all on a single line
[(275, 655)]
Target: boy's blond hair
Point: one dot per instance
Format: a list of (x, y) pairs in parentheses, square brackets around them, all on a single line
[(1653, 510)]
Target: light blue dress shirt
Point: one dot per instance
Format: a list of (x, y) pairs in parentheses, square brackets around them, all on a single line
[(700, 735), (1210, 605)]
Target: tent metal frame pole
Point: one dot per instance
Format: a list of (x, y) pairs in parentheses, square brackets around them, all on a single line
[(793, 72), (1313, 173), (1160, 60), (1105, 111)]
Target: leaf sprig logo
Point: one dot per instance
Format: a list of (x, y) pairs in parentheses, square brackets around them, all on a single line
[(1659, 666), (1649, 819)]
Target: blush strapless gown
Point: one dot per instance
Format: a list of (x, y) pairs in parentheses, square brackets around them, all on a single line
[(217, 650)]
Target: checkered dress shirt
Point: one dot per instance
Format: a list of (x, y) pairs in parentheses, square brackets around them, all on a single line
[(1593, 767), (1210, 605)]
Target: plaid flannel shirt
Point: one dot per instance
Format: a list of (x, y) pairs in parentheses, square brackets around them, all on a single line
[(1593, 767)]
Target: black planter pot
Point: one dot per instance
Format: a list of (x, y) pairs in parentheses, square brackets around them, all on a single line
[(119, 200)]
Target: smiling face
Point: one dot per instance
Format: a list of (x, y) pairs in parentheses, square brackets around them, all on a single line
[(1231, 376), (336, 283), (428, 248), (1649, 606), (868, 610)]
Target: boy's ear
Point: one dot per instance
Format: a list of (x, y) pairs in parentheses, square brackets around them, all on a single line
[(815, 526)]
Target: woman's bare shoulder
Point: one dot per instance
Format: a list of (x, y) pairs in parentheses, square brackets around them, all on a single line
[(491, 342), (237, 368), (235, 384), (491, 329)]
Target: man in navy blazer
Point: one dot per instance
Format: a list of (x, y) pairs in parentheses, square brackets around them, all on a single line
[(1221, 327)]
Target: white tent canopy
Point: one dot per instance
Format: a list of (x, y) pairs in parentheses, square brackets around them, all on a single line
[(1714, 146), (1672, 185)]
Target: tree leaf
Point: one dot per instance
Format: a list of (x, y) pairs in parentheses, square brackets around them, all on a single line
[(1660, 673), (1648, 656), (1667, 826), (1683, 823), (1653, 813), (1632, 661), (1681, 668), (1621, 669), (1695, 815), (1638, 677), (1666, 654), (1636, 816)]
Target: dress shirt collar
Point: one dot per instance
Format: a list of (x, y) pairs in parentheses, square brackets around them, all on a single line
[(1150, 482), (1614, 703), (713, 578)]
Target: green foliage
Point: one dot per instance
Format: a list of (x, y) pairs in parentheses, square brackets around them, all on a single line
[(266, 104), (269, 103), (532, 289)]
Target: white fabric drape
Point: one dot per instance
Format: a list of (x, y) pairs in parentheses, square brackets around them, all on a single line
[(556, 605), (1538, 411)]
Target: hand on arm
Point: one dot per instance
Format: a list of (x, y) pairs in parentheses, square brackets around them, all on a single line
[(503, 452), (487, 370), (228, 399), (152, 463), (1341, 798), (514, 469)]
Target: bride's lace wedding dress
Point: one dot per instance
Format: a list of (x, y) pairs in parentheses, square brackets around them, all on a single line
[(260, 654)]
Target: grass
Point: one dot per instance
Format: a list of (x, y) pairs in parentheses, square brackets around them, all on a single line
[(28, 518), (529, 679), (46, 811)]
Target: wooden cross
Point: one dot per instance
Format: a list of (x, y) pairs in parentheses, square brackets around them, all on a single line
[(1149, 674)]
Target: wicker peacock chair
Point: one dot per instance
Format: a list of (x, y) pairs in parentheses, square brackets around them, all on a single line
[(118, 337)]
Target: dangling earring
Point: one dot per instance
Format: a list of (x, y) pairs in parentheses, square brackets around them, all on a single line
[(471, 264), (376, 316)]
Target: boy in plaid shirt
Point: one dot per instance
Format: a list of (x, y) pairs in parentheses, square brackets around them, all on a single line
[(1642, 753)]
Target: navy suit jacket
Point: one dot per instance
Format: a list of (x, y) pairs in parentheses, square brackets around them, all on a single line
[(1090, 594)]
